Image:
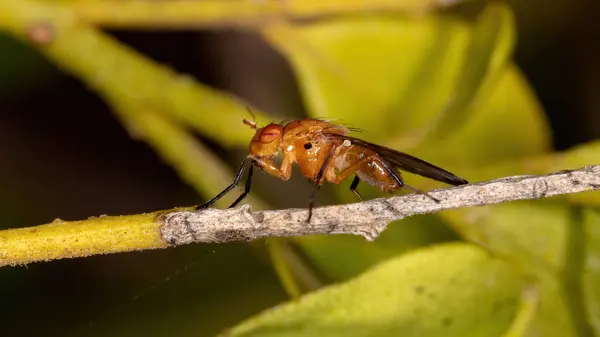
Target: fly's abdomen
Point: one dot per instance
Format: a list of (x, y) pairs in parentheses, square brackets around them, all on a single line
[(375, 174), (367, 166)]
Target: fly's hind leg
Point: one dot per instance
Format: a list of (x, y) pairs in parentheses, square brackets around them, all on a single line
[(350, 170), (353, 187), (386, 166), (394, 174)]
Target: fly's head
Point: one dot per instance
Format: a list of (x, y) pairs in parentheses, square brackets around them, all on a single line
[(266, 140)]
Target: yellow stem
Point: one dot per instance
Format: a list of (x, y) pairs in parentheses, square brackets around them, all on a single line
[(185, 14), (70, 239)]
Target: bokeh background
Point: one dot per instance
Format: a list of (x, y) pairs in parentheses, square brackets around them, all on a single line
[(64, 154)]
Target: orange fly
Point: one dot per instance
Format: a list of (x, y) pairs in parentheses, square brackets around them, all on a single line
[(324, 152)]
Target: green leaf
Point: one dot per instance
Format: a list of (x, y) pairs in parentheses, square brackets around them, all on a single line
[(295, 274), (483, 63), (358, 255), (591, 268), (369, 71), (489, 135), (497, 228), (449, 290), (487, 146), (535, 236)]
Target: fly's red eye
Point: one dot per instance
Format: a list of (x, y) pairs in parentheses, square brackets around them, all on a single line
[(270, 133)]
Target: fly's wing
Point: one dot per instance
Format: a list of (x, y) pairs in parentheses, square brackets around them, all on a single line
[(404, 161)]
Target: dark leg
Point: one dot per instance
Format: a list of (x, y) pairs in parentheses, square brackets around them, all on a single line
[(317, 183), (394, 174), (416, 190), (246, 189), (236, 180), (353, 187)]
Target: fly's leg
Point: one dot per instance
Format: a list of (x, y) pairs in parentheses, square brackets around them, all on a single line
[(284, 172), (246, 188), (353, 187), (394, 174), (236, 180), (389, 169), (317, 183), (350, 170)]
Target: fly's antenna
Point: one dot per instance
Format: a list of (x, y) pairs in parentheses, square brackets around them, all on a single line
[(252, 123)]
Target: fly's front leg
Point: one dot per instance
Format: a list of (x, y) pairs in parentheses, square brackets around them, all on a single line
[(246, 189), (284, 172), (236, 180)]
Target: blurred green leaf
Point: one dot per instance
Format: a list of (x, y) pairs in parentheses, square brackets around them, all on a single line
[(527, 310), (534, 236), (489, 51), (456, 294), (341, 257), (489, 136), (356, 69), (295, 274), (496, 227), (591, 268)]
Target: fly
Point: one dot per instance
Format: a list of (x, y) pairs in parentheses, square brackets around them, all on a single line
[(324, 152)]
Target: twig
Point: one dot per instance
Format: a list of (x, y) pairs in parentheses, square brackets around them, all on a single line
[(368, 218), (250, 14), (113, 234)]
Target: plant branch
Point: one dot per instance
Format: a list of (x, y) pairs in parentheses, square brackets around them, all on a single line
[(114, 234), (368, 218), (250, 14)]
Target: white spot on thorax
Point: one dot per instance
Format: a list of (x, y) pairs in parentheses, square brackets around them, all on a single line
[(346, 143), (290, 148)]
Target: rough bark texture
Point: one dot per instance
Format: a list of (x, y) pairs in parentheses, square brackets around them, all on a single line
[(368, 218)]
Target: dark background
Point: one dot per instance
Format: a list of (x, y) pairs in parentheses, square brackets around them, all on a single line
[(64, 155)]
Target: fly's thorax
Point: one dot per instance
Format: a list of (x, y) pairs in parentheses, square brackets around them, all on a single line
[(309, 153), (312, 127), (308, 148), (305, 141)]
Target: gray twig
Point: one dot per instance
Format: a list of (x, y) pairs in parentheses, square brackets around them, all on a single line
[(367, 218)]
